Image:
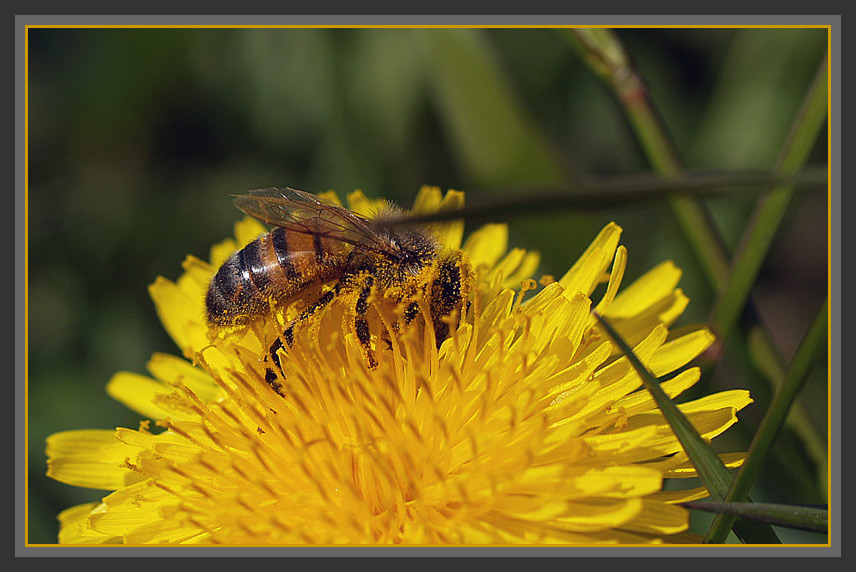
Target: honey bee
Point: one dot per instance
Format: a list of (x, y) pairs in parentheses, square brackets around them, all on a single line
[(314, 243)]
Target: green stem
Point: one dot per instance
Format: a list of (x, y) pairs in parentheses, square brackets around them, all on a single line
[(773, 421), (798, 517)]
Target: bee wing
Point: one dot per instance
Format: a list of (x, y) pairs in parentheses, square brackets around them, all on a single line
[(303, 212)]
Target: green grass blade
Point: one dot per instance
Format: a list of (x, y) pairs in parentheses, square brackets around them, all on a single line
[(713, 473), (773, 420), (770, 210), (798, 517)]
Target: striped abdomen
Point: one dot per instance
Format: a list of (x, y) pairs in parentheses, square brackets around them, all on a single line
[(276, 265)]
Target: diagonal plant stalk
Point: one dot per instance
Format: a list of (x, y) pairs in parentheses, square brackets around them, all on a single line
[(615, 191), (773, 421)]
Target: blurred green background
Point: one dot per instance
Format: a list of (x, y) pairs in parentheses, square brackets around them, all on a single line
[(137, 137)]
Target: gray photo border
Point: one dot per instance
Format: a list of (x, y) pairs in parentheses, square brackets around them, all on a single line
[(834, 21)]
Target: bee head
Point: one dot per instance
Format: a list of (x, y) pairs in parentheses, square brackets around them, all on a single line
[(416, 245), (417, 248)]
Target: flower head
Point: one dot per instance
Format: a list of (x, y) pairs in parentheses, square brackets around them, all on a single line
[(524, 426)]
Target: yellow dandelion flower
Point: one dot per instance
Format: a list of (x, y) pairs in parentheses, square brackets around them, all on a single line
[(525, 426)]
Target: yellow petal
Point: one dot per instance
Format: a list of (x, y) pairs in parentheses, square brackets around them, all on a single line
[(362, 205), (735, 399), (678, 352), (531, 507), (687, 470), (174, 309), (221, 251), (600, 514), (91, 458), (652, 286), (663, 311), (74, 527), (199, 271), (330, 197), (517, 265), (486, 245), (619, 378), (122, 518), (138, 392), (165, 531), (452, 232), (618, 267), (180, 315), (623, 481), (641, 400), (428, 199), (679, 496), (709, 423), (659, 518), (524, 270), (588, 270), (247, 230), (611, 444), (176, 370)]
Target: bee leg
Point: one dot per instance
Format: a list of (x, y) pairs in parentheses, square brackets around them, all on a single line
[(446, 296), (270, 376), (386, 339), (288, 335), (273, 381), (361, 325), (411, 312)]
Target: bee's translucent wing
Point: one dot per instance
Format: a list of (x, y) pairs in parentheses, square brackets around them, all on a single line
[(298, 211)]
